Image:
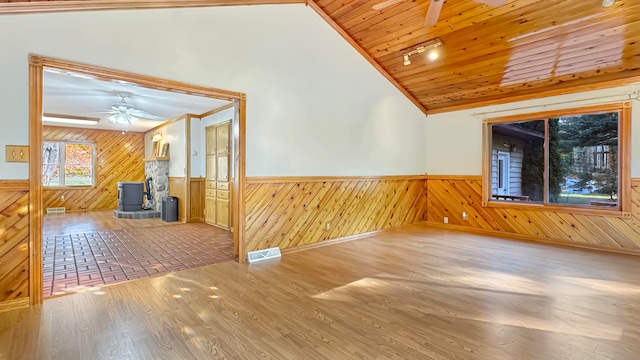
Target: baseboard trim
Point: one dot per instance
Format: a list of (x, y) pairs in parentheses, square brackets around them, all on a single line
[(14, 304), (527, 238), (341, 240)]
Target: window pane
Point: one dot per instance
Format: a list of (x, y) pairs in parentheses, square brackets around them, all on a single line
[(77, 176), (50, 161), (78, 154), (517, 161), (583, 164)]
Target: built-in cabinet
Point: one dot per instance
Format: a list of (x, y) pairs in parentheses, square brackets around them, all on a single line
[(217, 179)]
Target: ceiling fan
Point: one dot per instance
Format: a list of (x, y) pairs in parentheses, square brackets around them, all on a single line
[(124, 113), (435, 7)]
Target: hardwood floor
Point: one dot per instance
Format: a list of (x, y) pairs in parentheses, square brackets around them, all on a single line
[(416, 293)]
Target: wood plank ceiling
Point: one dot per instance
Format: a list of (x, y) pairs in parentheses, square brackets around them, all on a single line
[(523, 49)]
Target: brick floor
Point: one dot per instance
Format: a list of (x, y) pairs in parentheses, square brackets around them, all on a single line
[(78, 261)]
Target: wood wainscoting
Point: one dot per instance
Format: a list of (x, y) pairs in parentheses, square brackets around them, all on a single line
[(14, 242), (178, 188), (451, 195), (196, 203), (290, 212), (119, 157)]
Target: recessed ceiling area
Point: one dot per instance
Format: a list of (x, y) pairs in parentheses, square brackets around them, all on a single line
[(79, 95)]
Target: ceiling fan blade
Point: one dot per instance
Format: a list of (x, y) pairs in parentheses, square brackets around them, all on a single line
[(433, 13), (495, 3), (385, 4), (144, 114)]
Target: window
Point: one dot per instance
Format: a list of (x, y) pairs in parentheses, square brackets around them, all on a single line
[(577, 158), (67, 164)]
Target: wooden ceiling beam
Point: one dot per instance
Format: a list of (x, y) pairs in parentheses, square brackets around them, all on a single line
[(21, 7), (366, 55)]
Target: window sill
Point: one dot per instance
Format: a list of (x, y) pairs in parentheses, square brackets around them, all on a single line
[(559, 208), (83, 187)]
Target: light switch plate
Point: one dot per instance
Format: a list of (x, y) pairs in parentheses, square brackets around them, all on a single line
[(16, 153)]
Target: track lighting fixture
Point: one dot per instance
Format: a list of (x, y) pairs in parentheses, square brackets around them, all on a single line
[(430, 46)]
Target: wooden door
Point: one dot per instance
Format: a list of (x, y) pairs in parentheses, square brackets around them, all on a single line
[(210, 140), (210, 210), (222, 138), (223, 168), (222, 213)]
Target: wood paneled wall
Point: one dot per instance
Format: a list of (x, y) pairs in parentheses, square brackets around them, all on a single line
[(451, 196), (14, 242), (196, 203), (119, 157), (178, 188), (288, 212)]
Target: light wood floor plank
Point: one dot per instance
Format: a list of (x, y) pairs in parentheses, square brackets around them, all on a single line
[(413, 293)]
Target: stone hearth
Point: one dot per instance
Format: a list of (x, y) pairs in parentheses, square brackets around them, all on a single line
[(141, 214)]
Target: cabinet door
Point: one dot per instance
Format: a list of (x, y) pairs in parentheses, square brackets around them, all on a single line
[(222, 138), (223, 167), (211, 167), (210, 140), (210, 210), (222, 213)]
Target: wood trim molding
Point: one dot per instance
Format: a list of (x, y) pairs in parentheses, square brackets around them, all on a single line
[(36, 65), (166, 123), (92, 5), (14, 184), (239, 180), (35, 180), (295, 179), (528, 238), (334, 241), (366, 55), (540, 94), (215, 111), (455, 177), (14, 304)]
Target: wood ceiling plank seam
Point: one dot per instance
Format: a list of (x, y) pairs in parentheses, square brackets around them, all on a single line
[(354, 9), (366, 55), (391, 43), (529, 75), (373, 20), (565, 81), (376, 42), (393, 62)]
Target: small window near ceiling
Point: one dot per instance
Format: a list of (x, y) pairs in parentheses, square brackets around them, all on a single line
[(67, 164), (570, 158)]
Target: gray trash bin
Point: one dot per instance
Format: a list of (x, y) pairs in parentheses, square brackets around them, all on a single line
[(169, 208)]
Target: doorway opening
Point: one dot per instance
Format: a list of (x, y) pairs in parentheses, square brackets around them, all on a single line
[(79, 167)]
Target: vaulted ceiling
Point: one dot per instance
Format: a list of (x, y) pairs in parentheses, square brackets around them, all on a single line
[(491, 54), (521, 49)]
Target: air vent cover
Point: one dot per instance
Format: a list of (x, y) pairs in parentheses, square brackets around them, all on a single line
[(265, 254)]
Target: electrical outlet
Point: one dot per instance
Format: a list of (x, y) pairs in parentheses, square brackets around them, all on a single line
[(62, 198), (446, 220), (328, 226), (464, 215)]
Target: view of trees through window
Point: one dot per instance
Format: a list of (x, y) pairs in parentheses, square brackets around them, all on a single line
[(67, 164), (582, 160)]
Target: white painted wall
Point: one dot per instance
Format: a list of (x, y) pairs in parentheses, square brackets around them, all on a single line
[(175, 135), (454, 139), (314, 105), (217, 118)]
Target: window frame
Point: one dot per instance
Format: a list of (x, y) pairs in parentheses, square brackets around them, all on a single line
[(62, 164), (624, 153)]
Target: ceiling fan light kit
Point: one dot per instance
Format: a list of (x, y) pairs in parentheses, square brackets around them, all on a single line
[(430, 46)]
